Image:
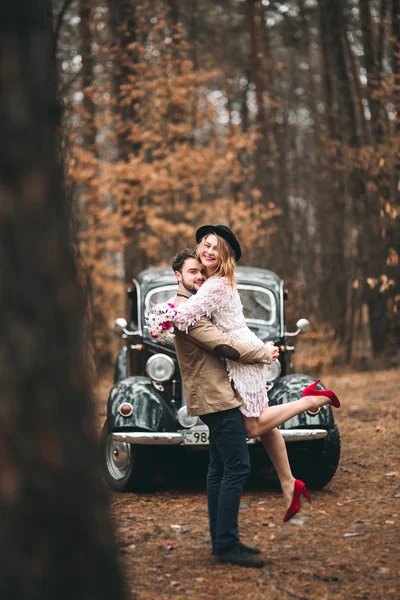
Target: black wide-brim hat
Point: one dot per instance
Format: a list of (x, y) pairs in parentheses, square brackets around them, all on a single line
[(224, 232)]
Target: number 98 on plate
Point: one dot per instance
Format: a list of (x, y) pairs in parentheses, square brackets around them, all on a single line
[(197, 438)]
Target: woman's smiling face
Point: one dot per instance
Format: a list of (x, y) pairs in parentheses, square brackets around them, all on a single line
[(209, 255)]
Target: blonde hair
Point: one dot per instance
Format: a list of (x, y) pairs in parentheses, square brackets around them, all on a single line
[(226, 255)]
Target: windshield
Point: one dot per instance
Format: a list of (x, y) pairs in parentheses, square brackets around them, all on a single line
[(162, 294), (259, 304)]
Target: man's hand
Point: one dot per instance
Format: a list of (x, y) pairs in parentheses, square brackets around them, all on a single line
[(272, 350)]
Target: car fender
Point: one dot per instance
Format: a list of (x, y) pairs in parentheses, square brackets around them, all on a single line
[(288, 389), (151, 409)]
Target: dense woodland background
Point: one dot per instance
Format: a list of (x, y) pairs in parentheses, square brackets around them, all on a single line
[(280, 119)]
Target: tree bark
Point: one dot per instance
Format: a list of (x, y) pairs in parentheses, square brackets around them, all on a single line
[(123, 30), (59, 22), (370, 43), (332, 216), (55, 535), (395, 60), (255, 63), (89, 106), (373, 246), (266, 157)]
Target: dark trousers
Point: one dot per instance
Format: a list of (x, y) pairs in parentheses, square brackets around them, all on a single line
[(227, 472)]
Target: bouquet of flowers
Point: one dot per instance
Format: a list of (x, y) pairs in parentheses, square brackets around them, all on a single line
[(160, 321)]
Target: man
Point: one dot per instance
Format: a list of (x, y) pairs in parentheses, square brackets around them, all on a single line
[(210, 395)]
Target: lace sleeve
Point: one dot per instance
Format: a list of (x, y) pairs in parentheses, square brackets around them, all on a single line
[(210, 296)]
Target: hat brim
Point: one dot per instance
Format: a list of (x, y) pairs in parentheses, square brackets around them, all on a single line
[(226, 235)]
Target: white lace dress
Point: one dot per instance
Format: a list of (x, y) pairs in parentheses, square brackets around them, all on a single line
[(221, 301)]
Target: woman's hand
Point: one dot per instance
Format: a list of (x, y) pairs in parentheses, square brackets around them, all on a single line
[(273, 351)]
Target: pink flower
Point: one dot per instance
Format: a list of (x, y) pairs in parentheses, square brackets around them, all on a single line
[(153, 335)]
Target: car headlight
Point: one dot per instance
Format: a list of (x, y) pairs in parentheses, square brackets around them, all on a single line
[(186, 420), (160, 367), (274, 371)]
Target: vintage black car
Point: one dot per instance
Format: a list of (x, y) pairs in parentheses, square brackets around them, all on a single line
[(146, 412)]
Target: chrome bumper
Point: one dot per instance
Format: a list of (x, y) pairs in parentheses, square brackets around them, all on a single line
[(301, 435), (176, 439)]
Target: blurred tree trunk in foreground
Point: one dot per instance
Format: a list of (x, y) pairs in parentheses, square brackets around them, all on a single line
[(55, 537)]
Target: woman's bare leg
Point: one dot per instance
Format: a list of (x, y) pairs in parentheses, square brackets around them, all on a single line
[(272, 416), (275, 446)]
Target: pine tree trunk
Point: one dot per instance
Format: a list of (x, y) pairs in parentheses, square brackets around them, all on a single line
[(55, 538), (332, 215), (373, 245)]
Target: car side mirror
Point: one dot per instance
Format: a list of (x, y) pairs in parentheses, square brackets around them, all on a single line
[(120, 323), (303, 325)]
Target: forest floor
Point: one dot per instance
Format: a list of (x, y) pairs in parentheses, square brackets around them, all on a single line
[(342, 546)]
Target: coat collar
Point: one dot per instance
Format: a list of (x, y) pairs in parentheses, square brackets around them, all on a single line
[(183, 293)]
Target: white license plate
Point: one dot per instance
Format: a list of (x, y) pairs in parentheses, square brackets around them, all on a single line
[(198, 438)]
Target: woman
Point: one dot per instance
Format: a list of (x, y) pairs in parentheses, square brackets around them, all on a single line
[(218, 298)]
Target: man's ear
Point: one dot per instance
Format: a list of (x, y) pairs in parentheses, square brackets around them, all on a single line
[(178, 275)]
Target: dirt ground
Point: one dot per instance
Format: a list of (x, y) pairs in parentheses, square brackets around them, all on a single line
[(344, 545)]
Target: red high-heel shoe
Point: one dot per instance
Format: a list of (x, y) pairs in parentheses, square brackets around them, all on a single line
[(299, 488), (311, 391)]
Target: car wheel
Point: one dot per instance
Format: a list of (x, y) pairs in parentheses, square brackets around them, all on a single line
[(315, 462), (123, 464)]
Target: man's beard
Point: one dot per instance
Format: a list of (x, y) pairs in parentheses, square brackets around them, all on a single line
[(188, 287)]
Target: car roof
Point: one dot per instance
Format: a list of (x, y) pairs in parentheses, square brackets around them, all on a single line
[(160, 276)]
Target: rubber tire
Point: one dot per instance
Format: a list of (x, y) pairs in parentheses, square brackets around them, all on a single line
[(137, 477), (315, 462)]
